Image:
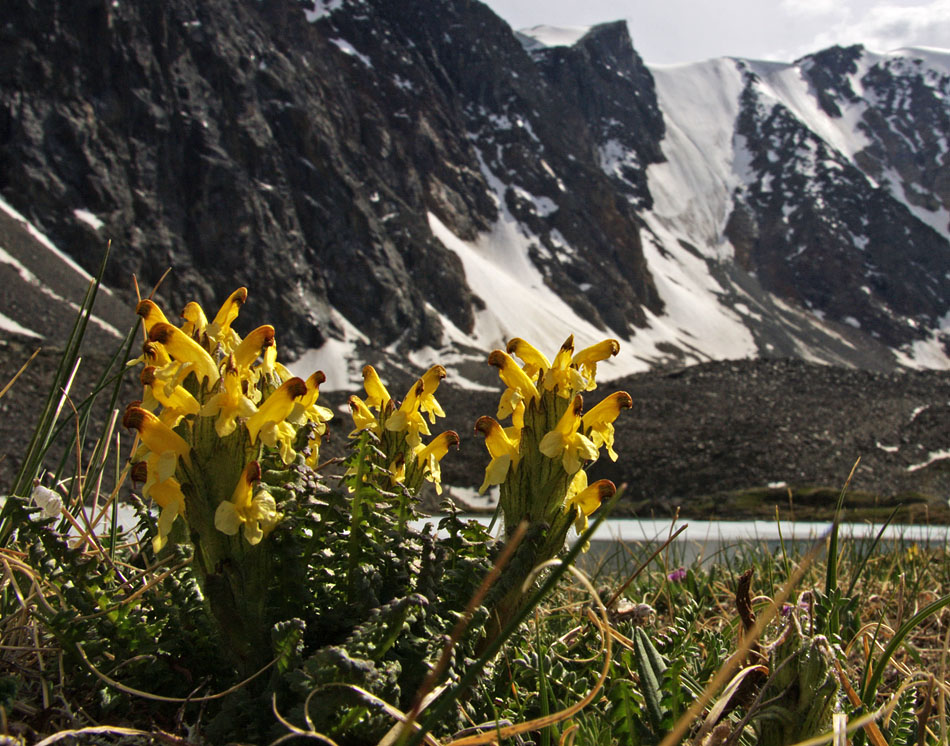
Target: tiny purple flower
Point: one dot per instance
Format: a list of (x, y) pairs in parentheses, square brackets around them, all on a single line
[(677, 575)]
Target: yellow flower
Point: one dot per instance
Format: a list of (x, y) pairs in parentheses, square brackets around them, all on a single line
[(229, 403), (363, 418), (220, 330), (520, 387), (586, 498), (171, 500), (598, 422), (256, 514), (562, 376), (280, 435), (566, 443), (427, 401), (277, 406), (534, 360), (158, 437), (253, 345), (307, 408), (195, 321), (377, 397), (503, 446), (586, 360), (176, 401), (428, 457), (185, 350), (153, 354), (408, 417), (151, 314)]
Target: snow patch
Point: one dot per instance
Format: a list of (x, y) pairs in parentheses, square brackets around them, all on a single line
[(7, 208), (9, 325), (344, 46), (320, 9), (932, 457), (337, 359), (88, 218), (553, 36)]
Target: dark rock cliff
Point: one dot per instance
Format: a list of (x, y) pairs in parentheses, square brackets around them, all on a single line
[(298, 152)]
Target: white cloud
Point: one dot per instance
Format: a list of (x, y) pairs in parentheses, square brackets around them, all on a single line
[(812, 7), (890, 25)]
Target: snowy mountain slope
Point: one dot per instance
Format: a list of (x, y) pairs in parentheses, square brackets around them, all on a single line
[(42, 288), (767, 177)]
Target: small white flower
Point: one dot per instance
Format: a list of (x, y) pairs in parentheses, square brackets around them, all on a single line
[(49, 501)]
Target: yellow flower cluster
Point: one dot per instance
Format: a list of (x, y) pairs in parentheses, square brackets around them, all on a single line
[(400, 427), (212, 402), (538, 459)]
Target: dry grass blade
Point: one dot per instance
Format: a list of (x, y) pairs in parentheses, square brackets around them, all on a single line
[(23, 367), (161, 698), (873, 732), (111, 730)]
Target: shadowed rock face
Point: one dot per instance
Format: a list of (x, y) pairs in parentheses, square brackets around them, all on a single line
[(241, 144), (833, 234)]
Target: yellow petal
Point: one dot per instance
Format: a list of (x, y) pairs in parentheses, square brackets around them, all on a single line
[(438, 447), (252, 346), (495, 472), (512, 375), (185, 350), (586, 360), (608, 409), (590, 498), (227, 519), (241, 498), (534, 360), (363, 418), (153, 433), (179, 400), (195, 321), (277, 406), (229, 311), (151, 314), (377, 397)]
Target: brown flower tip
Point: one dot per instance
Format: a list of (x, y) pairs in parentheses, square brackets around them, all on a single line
[(139, 472), (605, 489), (146, 308), (134, 416), (578, 405), (161, 333), (484, 425), (497, 358), (296, 387)]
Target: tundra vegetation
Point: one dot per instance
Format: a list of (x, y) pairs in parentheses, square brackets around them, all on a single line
[(266, 596)]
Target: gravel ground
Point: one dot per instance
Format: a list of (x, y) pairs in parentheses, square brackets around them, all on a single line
[(693, 435)]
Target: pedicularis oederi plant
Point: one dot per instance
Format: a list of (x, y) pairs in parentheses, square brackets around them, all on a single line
[(323, 570)]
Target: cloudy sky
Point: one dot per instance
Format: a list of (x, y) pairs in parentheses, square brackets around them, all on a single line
[(689, 30)]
